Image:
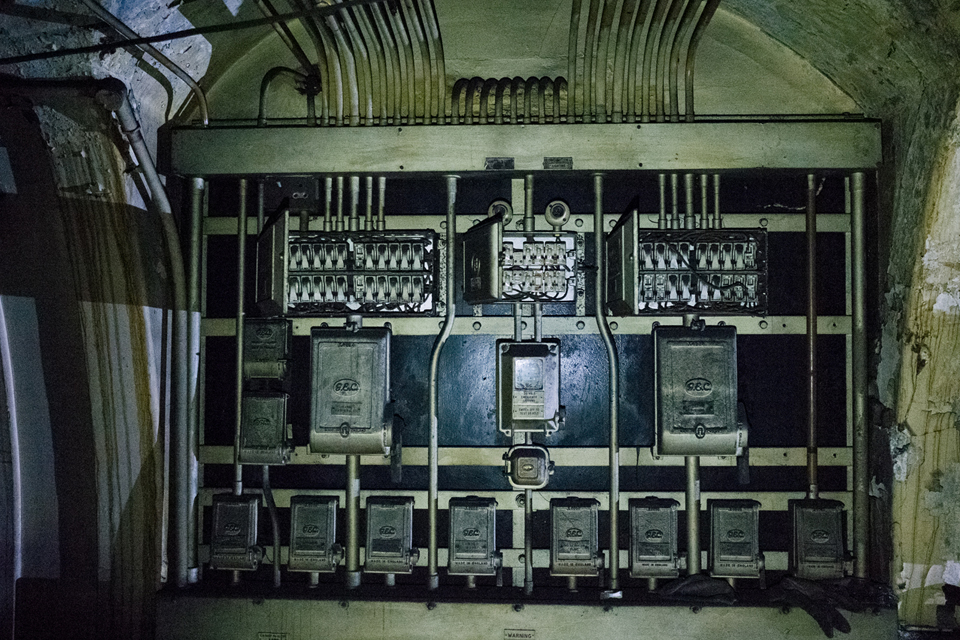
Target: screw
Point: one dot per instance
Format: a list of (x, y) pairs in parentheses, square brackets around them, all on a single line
[(518, 607), (344, 604), (578, 222), (614, 326), (580, 325), (431, 606), (521, 500), (476, 326), (763, 324)]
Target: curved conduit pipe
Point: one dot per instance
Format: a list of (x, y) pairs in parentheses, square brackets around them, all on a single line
[(368, 94), (628, 15), (155, 53), (459, 89), (433, 26), (705, 17), (651, 42), (589, 110), (268, 78), (516, 87), (572, 55), (420, 58), (664, 49), (433, 76), (613, 369), (528, 88), (600, 79), (394, 61), (347, 62), (503, 84), (381, 73), (433, 575), (408, 68), (489, 86), (687, 23), (286, 36), (331, 82), (321, 67), (474, 88), (641, 29)]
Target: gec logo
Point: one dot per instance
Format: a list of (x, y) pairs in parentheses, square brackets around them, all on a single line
[(346, 387), (653, 535), (573, 532), (310, 530), (471, 533), (698, 387), (387, 531)]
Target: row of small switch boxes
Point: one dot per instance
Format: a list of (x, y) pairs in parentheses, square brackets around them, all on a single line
[(342, 256), (392, 289), (534, 281), (689, 287), (534, 254), (817, 553), (715, 256)]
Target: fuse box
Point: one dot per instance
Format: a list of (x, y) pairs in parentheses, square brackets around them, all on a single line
[(473, 538), (574, 539), (263, 429), (528, 386), (695, 373), (350, 411), (735, 539), (313, 529), (390, 536), (266, 348), (653, 538), (817, 551), (233, 545), (528, 466)]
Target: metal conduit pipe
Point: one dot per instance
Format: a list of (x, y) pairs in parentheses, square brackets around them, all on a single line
[(433, 24), (459, 89), (589, 110), (354, 203), (434, 77), (664, 49), (340, 225), (268, 78), (489, 86), (274, 523), (433, 452), (662, 220), (559, 88), (368, 218), (335, 92), (241, 313), (542, 87), (704, 186), (600, 61), (624, 41), (187, 476), (327, 198), (692, 505), (675, 201), (408, 69), (690, 220), (364, 68), (382, 188), (641, 28), (502, 85), (154, 53), (516, 87), (528, 221), (705, 16), (353, 522), (572, 55), (861, 473), (717, 221), (687, 24), (286, 36), (421, 59), (528, 88), (811, 232), (474, 88), (347, 62), (393, 58), (613, 367), (648, 85), (325, 82), (381, 72)]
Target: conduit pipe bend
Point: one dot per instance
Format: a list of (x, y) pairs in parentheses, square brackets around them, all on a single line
[(269, 77), (433, 575)]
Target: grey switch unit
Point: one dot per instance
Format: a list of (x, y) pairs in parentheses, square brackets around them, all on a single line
[(390, 536), (574, 538), (350, 412), (735, 539), (313, 531), (695, 373), (263, 429), (233, 545), (272, 268), (527, 466), (266, 348), (817, 551), (528, 386), (473, 537), (653, 538)]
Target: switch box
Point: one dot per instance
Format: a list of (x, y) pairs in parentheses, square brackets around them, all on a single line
[(390, 536), (350, 411), (313, 531), (695, 372), (473, 537), (528, 386), (574, 539), (263, 429), (234, 542), (272, 266), (528, 466), (817, 551), (735, 539), (266, 348), (653, 538)]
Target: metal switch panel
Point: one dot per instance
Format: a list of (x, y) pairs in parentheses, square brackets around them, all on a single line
[(313, 529), (622, 273), (528, 466), (263, 429), (234, 542), (735, 539), (390, 536), (528, 386), (272, 266), (481, 261), (817, 551), (349, 391), (266, 348), (653, 538), (473, 538), (574, 539), (695, 372)]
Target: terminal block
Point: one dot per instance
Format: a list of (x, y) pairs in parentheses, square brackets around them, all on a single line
[(313, 529), (390, 536), (653, 538), (234, 542), (264, 437), (735, 540), (817, 551), (473, 537), (574, 539)]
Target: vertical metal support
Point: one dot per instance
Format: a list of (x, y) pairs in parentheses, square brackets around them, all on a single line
[(241, 274), (662, 220), (353, 522), (693, 514), (613, 370), (538, 322), (354, 203), (382, 186), (186, 446), (717, 220), (528, 540), (369, 211), (675, 204), (528, 222), (688, 222), (339, 226), (327, 203), (704, 201), (261, 204), (433, 574), (861, 504), (812, 488)]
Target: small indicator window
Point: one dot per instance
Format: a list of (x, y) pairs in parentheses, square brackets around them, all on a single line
[(528, 374)]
